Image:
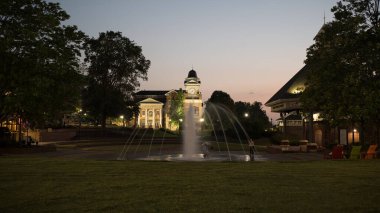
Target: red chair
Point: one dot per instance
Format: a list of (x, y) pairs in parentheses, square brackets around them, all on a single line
[(371, 153), (337, 152)]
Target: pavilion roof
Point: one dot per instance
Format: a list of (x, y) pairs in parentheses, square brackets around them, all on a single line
[(293, 88)]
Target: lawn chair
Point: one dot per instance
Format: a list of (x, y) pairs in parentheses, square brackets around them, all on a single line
[(337, 152), (355, 152), (371, 153)]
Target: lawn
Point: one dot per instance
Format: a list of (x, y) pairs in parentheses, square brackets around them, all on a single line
[(42, 184)]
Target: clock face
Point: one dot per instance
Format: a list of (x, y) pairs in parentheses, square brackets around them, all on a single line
[(192, 91)]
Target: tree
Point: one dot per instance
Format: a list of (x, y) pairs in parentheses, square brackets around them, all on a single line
[(116, 64), (219, 108), (176, 111), (344, 66), (39, 66), (252, 117), (223, 98)]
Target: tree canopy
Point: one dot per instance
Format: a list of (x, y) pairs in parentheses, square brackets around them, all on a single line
[(116, 64), (223, 98), (222, 113), (253, 118), (176, 111), (39, 66), (344, 61)]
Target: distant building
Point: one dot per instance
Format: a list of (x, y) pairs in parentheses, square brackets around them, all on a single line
[(286, 102), (295, 122), (154, 105)]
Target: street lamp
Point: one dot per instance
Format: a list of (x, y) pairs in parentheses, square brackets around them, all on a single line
[(122, 117), (80, 121), (246, 114)]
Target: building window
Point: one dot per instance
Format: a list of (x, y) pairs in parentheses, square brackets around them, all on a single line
[(150, 113), (143, 113)]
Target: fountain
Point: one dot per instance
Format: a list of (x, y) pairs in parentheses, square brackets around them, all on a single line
[(191, 144), (190, 138)]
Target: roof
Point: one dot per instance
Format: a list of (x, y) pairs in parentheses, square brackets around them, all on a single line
[(150, 101), (321, 31), (192, 77), (152, 92), (293, 88), (292, 117), (192, 74), (158, 95)]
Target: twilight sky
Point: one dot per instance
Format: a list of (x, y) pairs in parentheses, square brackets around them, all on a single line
[(247, 48)]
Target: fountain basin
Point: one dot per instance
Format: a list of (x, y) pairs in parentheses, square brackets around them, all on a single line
[(198, 157)]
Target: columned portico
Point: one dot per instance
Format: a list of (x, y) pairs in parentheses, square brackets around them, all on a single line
[(150, 114)]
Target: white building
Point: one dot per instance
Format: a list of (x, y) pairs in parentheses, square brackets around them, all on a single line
[(155, 104)]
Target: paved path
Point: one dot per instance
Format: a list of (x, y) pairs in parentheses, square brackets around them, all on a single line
[(112, 150)]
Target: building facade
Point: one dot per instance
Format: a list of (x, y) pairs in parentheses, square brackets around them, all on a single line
[(155, 105), (294, 122)]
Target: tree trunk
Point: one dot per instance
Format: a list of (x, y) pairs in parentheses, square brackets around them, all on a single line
[(103, 122), (353, 132), (19, 130), (377, 134), (361, 132), (310, 128), (326, 133)]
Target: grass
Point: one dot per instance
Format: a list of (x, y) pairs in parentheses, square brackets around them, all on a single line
[(39, 184)]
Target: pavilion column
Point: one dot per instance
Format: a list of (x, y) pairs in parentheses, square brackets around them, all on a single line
[(146, 118), (138, 120), (282, 114), (304, 127)]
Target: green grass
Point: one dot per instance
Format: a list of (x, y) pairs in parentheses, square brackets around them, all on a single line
[(39, 184)]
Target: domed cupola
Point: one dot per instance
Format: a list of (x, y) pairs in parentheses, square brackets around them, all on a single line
[(192, 74), (192, 77)]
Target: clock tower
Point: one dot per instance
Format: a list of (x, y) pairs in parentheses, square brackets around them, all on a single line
[(193, 96)]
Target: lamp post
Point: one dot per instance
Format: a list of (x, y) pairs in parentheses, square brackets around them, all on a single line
[(80, 121), (122, 117), (180, 124)]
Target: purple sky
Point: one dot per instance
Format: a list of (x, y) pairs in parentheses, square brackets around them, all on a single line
[(247, 48)]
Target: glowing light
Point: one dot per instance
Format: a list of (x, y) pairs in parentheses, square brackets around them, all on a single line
[(355, 130), (202, 120), (246, 115), (180, 119), (121, 116)]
